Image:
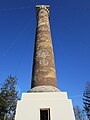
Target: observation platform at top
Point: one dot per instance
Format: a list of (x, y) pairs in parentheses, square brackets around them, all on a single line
[(46, 7)]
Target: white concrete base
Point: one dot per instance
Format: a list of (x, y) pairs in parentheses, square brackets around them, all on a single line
[(28, 108)]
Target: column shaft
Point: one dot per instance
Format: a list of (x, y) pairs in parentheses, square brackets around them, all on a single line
[(44, 73)]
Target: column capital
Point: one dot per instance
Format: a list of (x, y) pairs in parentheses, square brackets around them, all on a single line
[(46, 7)]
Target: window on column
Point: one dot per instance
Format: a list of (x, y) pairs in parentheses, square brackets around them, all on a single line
[(45, 114)]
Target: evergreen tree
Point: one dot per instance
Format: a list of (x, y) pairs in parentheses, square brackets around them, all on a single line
[(8, 98), (86, 99)]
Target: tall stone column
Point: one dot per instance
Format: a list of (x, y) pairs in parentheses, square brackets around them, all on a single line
[(44, 73)]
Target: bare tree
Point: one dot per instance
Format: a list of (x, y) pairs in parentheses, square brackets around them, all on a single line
[(86, 99)]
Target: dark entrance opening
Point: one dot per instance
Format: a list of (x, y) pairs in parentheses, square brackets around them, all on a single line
[(45, 114)]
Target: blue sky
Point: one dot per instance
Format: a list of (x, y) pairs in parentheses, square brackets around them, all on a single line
[(70, 28)]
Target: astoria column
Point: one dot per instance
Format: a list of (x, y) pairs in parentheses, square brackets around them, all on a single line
[(44, 101), (44, 73)]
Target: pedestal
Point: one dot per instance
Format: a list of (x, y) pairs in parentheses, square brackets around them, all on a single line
[(29, 107)]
